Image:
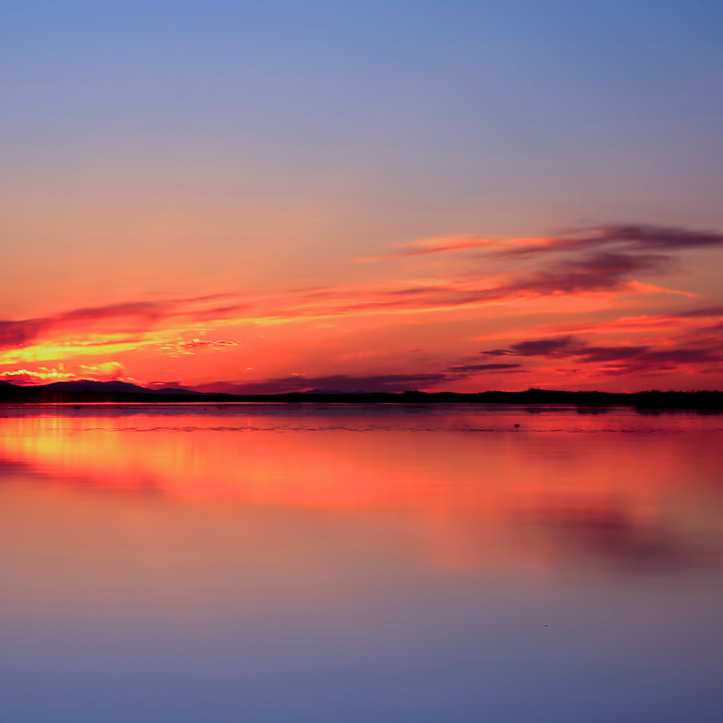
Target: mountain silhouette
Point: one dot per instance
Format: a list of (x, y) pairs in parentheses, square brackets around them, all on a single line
[(88, 385), (88, 391)]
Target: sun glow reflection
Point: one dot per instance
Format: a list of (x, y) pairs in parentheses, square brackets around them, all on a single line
[(478, 488)]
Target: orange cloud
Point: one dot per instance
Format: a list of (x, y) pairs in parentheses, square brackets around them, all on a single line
[(190, 346), (583, 272), (106, 371), (432, 246)]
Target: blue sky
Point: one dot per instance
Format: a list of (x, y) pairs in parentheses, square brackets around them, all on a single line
[(563, 105)]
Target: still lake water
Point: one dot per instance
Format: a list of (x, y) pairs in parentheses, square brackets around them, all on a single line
[(322, 563)]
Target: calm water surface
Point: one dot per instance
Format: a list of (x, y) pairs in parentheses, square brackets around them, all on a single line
[(321, 563)]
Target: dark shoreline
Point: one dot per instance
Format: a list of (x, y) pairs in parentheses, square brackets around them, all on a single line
[(644, 400)]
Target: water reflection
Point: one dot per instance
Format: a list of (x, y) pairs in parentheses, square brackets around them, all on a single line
[(551, 492), (324, 564)]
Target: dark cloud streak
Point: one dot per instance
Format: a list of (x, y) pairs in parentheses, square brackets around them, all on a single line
[(465, 368), (638, 237), (632, 359)]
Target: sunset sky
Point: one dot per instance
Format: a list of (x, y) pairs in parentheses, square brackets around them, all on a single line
[(381, 196)]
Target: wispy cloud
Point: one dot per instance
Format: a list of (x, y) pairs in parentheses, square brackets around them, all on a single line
[(432, 246), (341, 383), (635, 237), (114, 327), (353, 384), (598, 272), (598, 266), (466, 369), (103, 372), (631, 237), (191, 346), (704, 354)]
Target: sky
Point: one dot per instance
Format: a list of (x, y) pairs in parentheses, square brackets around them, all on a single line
[(362, 196)]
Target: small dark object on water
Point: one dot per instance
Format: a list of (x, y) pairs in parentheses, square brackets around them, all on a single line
[(517, 425)]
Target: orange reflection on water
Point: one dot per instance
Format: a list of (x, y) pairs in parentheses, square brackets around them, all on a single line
[(560, 487)]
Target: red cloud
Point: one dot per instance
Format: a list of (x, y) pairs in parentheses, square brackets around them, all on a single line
[(602, 263)]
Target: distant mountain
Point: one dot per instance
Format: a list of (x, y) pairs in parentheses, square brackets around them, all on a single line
[(122, 392), (86, 385), (174, 390)]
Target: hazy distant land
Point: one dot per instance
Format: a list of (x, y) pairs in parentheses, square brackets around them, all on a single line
[(81, 392)]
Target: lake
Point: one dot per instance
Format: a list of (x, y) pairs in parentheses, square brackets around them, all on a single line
[(347, 563)]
